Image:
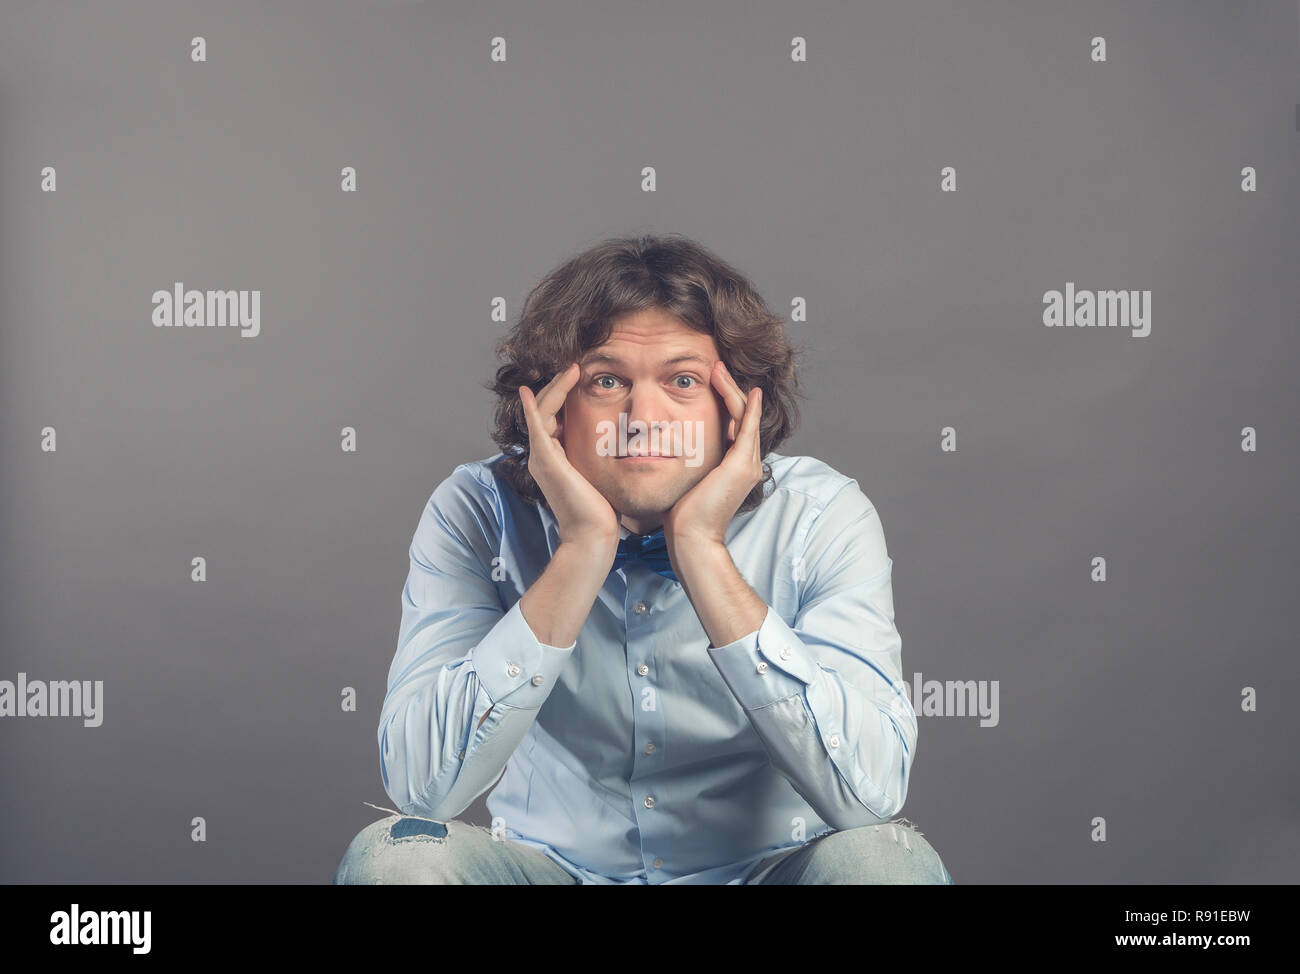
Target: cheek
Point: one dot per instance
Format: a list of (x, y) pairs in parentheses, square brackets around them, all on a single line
[(711, 437), (722, 419), (580, 433), (572, 417)]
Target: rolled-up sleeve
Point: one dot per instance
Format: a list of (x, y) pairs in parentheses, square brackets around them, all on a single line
[(826, 694), (469, 676)]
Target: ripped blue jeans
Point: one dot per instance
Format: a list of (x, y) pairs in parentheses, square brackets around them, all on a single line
[(401, 850)]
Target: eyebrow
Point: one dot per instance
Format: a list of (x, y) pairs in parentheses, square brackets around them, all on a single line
[(606, 358)]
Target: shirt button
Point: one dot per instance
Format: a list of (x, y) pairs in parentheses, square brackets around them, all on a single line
[(657, 863), (762, 667), (512, 670), (538, 680), (641, 608), (642, 670), (835, 740), (650, 747), (649, 801), (785, 653)]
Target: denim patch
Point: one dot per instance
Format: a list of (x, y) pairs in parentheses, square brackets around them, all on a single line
[(407, 827)]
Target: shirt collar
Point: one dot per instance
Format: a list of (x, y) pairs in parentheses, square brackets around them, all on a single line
[(552, 530)]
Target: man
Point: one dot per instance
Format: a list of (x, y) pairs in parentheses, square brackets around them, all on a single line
[(674, 646)]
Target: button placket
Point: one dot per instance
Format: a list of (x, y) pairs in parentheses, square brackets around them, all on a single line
[(647, 721)]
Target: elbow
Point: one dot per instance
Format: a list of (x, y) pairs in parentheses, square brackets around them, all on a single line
[(392, 768), (872, 799), (407, 769), (853, 813)]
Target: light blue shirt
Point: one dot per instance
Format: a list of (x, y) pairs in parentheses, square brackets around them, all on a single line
[(639, 754)]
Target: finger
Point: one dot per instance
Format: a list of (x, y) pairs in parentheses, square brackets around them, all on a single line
[(748, 435), (541, 426), (732, 397), (555, 380), (556, 391), (531, 417), (731, 393)]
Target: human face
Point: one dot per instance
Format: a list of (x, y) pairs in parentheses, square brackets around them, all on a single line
[(654, 370)]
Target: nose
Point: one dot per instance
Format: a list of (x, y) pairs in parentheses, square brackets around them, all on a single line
[(648, 411)]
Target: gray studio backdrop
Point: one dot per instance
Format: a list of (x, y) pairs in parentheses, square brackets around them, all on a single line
[(1004, 457)]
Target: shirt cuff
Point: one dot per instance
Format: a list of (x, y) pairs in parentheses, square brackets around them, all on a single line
[(514, 667), (768, 665)]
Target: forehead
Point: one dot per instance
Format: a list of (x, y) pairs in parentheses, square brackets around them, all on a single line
[(655, 337)]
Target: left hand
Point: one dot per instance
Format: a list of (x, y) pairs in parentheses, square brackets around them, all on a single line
[(702, 514)]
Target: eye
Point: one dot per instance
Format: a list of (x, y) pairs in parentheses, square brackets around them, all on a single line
[(596, 380)]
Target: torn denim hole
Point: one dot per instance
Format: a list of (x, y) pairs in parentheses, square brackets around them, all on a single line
[(907, 827), (894, 832), (413, 826), (406, 828)]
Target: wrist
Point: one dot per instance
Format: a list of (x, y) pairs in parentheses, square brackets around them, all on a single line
[(696, 544), (593, 544)]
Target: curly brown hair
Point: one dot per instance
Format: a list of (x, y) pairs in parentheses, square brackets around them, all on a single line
[(573, 309)]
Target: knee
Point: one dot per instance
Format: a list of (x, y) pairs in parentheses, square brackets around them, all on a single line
[(890, 854), (394, 850)]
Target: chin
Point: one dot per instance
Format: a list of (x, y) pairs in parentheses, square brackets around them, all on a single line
[(641, 506)]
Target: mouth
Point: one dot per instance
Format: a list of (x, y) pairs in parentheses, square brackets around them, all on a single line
[(646, 457)]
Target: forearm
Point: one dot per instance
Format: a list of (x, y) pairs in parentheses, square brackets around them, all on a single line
[(445, 738), (727, 607), (557, 605)]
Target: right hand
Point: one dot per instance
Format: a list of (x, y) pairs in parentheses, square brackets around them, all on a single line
[(581, 512)]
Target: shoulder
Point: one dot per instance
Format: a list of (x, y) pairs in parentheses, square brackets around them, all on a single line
[(471, 495), (814, 485)]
